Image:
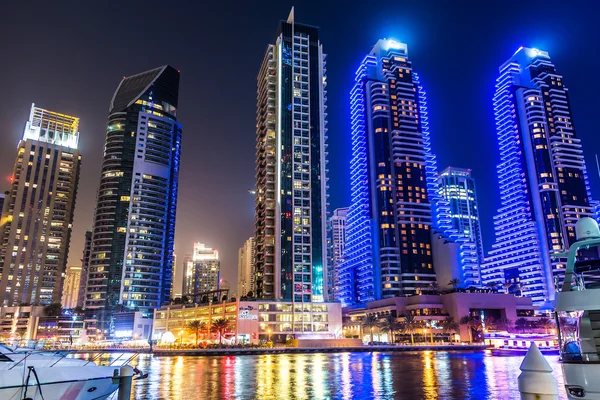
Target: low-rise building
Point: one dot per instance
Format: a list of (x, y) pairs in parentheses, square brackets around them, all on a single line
[(433, 309), (252, 321)]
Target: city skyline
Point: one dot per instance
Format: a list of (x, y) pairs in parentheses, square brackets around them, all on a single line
[(338, 133)]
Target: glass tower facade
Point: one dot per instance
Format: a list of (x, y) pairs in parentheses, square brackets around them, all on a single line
[(458, 187), (291, 174), (542, 176), (36, 224), (132, 241)]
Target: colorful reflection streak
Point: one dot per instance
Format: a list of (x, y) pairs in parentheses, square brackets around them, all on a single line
[(343, 376)]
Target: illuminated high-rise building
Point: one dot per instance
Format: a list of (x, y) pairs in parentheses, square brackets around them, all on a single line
[(457, 187), (71, 287), (203, 271), (337, 242), (246, 273), (398, 225), (134, 225), (85, 265), (36, 224), (291, 167), (541, 175), (388, 239)]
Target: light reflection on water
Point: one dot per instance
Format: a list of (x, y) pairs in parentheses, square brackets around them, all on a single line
[(365, 376)]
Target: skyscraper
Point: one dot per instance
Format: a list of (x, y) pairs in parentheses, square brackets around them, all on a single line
[(541, 175), (71, 287), (246, 274), (291, 167), (203, 271), (388, 245), (35, 228), (337, 237), (85, 266), (134, 224), (458, 249)]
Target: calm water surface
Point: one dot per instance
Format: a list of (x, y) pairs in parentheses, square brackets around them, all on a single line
[(408, 375)]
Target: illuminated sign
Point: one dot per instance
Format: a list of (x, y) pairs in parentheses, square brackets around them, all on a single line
[(246, 315)]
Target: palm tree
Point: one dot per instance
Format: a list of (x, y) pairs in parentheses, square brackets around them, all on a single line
[(521, 324), (454, 282), (449, 325), (471, 323), (370, 322), (492, 285), (196, 326), (507, 286), (434, 287), (545, 323), (411, 326), (503, 323), (490, 323), (389, 324), (220, 325)]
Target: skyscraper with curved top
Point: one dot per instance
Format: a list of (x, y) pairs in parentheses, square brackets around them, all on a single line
[(132, 246)]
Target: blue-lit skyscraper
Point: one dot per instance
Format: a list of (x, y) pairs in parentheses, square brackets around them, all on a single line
[(388, 239), (132, 241), (291, 167), (541, 176)]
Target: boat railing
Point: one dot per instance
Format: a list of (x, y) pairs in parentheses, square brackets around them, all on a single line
[(65, 354)]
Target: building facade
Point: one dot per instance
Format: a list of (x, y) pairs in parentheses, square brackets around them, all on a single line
[(431, 310), (246, 272), (36, 224), (337, 242), (251, 322), (388, 245), (85, 265), (541, 175), (203, 271), (134, 225), (291, 167), (71, 287)]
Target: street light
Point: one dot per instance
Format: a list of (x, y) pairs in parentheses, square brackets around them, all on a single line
[(269, 332)]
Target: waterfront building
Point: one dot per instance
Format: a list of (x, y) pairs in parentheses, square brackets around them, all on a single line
[(291, 167), (337, 241), (85, 265), (251, 322), (203, 271), (430, 310), (36, 224), (246, 272), (541, 175), (71, 287), (397, 221), (133, 325), (2, 198), (134, 224)]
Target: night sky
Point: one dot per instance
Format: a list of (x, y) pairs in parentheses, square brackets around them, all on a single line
[(70, 56)]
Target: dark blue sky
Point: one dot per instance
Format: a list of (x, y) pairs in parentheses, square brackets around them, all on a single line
[(69, 56)]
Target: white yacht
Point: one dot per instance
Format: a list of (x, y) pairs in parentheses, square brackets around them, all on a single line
[(34, 375), (578, 316)]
